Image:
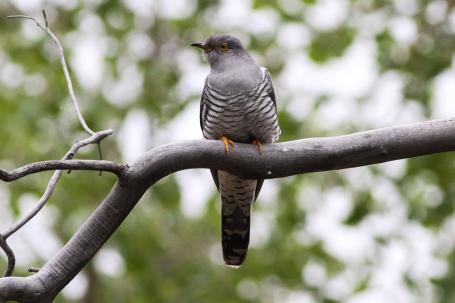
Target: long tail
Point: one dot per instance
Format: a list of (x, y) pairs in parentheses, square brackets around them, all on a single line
[(237, 196)]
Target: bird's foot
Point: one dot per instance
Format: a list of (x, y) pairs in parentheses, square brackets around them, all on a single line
[(226, 142), (258, 144)]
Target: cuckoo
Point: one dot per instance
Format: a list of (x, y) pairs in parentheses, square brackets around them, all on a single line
[(237, 105)]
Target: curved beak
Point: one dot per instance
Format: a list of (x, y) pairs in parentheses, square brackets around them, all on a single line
[(200, 45)]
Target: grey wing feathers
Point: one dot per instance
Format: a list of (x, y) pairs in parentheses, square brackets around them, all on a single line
[(271, 94), (203, 108), (202, 117), (271, 91)]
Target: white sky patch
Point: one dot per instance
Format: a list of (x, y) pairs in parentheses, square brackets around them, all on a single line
[(349, 76), (382, 108), (215, 254), (446, 236), (88, 3), (308, 198), (132, 139), (87, 55), (116, 20), (108, 261), (443, 98), (385, 224), (32, 33), (28, 6), (183, 127), (403, 30), (411, 111), (5, 216), (126, 88), (436, 11), (176, 9), (360, 178), (299, 106), (231, 13), (372, 295), (90, 23), (433, 195), (35, 84), (314, 273), (76, 289), (406, 7), (393, 261), (50, 5), (370, 24), (299, 297), (327, 15), (192, 73), (248, 289), (196, 186), (262, 23), (341, 285), (388, 275), (393, 169), (11, 74), (336, 112), (143, 8), (349, 244), (269, 195), (140, 45), (291, 7), (36, 238), (87, 61), (293, 36), (386, 193), (262, 224), (422, 264)]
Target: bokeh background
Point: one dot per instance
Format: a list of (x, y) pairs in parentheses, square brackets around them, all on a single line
[(383, 233)]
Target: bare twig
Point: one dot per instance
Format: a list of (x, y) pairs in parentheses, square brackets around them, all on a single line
[(63, 164), (45, 18), (96, 137), (33, 269), (11, 259), (36, 167), (100, 155), (46, 28)]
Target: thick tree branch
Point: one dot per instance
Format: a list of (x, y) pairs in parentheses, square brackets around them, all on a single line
[(277, 160), (307, 155)]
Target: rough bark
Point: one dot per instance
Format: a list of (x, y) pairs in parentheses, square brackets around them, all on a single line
[(277, 160)]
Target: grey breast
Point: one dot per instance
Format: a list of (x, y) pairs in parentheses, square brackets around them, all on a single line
[(241, 115)]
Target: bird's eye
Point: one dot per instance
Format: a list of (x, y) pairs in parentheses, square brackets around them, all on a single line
[(224, 47)]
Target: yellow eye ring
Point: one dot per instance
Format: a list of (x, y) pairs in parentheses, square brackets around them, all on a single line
[(224, 47)]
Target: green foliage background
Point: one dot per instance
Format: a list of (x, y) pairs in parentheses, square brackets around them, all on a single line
[(169, 257)]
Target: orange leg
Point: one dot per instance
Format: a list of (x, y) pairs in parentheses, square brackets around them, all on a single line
[(259, 145), (226, 142)]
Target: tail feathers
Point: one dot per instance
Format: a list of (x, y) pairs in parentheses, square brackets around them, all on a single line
[(235, 237), (237, 196)]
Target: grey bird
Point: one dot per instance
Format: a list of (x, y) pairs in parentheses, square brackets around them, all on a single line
[(237, 105)]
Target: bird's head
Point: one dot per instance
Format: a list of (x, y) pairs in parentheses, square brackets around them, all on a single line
[(221, 49)]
